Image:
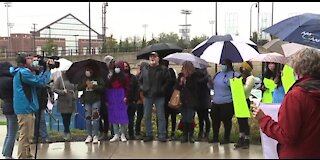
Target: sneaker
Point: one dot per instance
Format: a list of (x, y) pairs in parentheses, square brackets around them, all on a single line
[(46, 140), (65, 136), (8, 157), (114, 138), (88, 139), (147, 139), (95, 140), (123, 138)]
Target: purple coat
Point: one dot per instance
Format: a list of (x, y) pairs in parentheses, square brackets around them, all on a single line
[(117, 108)]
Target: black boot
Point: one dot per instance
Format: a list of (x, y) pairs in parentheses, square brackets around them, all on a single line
[(246, 144), (240, 143), (185, 133), (206, 137), (190, 133)]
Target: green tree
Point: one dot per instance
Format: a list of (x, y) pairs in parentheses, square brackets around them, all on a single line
[(168, 38), (50, 48), (152, 41), (143, 43), (120, 47), (181, 43), (109, 44), (197, 40)]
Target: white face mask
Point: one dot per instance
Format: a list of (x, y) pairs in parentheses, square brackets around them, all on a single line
[(88, 74), (117, 70)]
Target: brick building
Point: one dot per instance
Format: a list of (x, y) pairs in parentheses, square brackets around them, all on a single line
[(69, 34)]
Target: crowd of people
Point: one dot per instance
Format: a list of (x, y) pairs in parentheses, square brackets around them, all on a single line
[(119, 102)]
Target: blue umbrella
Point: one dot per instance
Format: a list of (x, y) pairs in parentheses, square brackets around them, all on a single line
[(303, 29), (218, 48)]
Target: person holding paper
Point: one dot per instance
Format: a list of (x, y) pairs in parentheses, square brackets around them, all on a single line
[(268, 85), (248, 83), (278, 93), (297, 129), (222, 103)]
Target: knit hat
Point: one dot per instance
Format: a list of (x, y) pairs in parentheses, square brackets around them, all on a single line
[(246, 66), (108, 59)]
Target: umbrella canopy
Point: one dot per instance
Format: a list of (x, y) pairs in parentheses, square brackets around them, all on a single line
[(64, 65), (270, 57), (218, 48), (76, 73), (302, 29), (179, 58), (275, 46), (292, 48), (163, 49)]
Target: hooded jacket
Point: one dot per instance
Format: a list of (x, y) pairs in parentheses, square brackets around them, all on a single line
[(6, 88), (297, 129), (22, 104)]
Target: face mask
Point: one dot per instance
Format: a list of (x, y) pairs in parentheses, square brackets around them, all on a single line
[(88, 74), (224, 68), (35, 63), (117, 70)]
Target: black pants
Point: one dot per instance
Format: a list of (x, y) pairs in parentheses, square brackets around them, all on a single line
[(66, 119), (203, 115), (139, 118), (243, 123), (173, 113), (224, 113), (132, 109), (104, 122)]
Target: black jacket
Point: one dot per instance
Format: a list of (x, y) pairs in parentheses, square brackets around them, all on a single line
[(154, 81), (6, 88), (203, 89), (189, 91), (133, 89)]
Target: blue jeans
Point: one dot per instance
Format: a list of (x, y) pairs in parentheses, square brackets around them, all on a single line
[(159, 103), (92, 124), (116, 128), (43, 133), (12, 128)]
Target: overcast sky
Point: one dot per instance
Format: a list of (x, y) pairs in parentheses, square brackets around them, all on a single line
[(125, 19)]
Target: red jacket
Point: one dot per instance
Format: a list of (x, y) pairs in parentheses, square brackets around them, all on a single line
[(298, 126)]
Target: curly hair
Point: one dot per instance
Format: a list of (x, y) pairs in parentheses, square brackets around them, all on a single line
[(306, 62)]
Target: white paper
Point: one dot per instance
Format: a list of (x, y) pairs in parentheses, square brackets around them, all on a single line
[(49, 105), (269, 145)]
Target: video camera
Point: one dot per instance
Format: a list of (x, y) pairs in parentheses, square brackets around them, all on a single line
[(42, 61)]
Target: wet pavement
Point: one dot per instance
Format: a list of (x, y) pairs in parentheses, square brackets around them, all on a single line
[(140, 150)]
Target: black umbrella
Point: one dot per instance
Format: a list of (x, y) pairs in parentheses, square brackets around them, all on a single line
[(76, 72), (163, 49)]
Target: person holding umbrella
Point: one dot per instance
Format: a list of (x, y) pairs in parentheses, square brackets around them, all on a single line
[(222, 104), (67, 96), (297, 130), (92, 87), (154, 80)]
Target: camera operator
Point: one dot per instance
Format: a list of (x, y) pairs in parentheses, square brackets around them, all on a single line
[(25, 99), (44, 94)]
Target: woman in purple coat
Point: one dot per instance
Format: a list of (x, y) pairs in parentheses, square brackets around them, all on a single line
[(116, 97)]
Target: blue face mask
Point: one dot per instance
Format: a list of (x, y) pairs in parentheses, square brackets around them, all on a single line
[(224, 68), (35, 63)]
